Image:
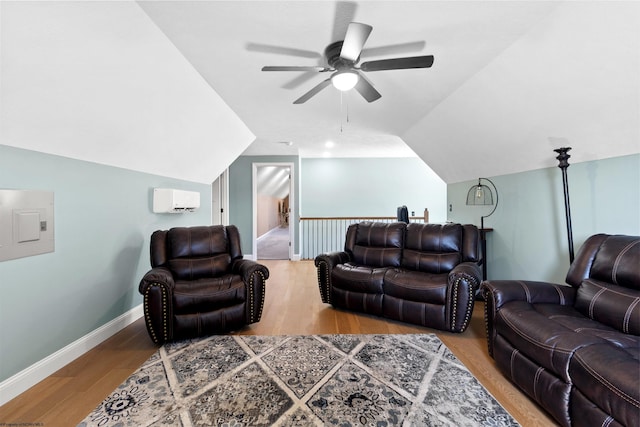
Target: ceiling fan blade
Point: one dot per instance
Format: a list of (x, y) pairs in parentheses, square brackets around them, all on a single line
[(344, 14), (354, 40), (313, 91), (394, 49), (294, 68), (281, 50), (366, 89), (398, 63), (299, 80)]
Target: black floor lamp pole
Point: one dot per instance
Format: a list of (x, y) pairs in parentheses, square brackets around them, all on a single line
[(563, 158)]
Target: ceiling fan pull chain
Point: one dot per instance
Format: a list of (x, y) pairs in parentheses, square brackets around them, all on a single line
[(347, 102), (341, 99)]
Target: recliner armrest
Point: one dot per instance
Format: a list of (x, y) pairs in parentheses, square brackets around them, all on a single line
[(325, 264), (157, 276), (332, 258), (470, 271), (499, 292), (246, 268), (254, 275), (463, 281), (156, 288)]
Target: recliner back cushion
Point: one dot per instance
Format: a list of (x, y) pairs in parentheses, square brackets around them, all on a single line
[(197, 241), (618, 261), (432, 248), (198, 252), (377, 244), (613, 305), (199, 268)]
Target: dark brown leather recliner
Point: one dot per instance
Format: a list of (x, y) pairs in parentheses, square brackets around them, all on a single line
[(575, 348), (426, 274), (199, 283)]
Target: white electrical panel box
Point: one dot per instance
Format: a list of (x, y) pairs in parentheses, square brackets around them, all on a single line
[(26, 223), (169, 200)]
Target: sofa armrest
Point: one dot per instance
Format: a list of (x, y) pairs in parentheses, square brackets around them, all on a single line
[(470, 271), (156, 288), (464, 281), (502, 291), (499, 292), (255, 276), (325, 264)]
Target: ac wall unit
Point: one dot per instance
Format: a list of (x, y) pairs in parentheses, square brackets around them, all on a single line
[(169, 200)]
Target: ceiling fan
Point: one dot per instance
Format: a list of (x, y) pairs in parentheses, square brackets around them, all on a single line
[(342, 58)]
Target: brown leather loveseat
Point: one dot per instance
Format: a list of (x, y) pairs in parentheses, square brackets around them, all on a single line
[(426, 274), (199, 283), (574, 349)]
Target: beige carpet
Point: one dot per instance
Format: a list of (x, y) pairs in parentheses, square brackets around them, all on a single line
[(274, 244)]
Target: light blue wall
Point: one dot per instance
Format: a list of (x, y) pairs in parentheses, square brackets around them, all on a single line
[(103, 221), (341, 187), (241, 197), (529, 240), (372, 187)]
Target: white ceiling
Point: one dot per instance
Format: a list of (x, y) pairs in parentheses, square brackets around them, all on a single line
[(511, 80)]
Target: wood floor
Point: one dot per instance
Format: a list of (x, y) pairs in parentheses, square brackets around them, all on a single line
[(292, 306)]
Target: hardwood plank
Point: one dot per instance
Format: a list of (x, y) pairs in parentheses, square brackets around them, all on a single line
[(292, 307)]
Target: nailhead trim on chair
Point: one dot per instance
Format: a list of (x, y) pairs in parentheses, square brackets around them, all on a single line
[(486, 296), (147, 315), (253, 315), (467, 317), (324, 268)]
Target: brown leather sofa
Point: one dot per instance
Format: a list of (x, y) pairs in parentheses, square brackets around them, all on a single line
[(426, 274), (574, 349), (199, 283)]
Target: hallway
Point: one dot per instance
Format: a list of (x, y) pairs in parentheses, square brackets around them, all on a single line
[(274, 244)]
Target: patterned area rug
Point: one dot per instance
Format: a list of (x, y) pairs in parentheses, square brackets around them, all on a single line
[(342, 380)]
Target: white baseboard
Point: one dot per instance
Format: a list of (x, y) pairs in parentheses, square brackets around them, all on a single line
[(296, 257), (27, 378)]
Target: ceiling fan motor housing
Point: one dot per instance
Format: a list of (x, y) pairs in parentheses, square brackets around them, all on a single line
[(332, 53)]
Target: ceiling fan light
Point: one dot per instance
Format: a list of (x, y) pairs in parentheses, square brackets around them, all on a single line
[(344, 80)]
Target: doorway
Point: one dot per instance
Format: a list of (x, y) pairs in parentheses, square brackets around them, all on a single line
[(272, 201), (220, 199)]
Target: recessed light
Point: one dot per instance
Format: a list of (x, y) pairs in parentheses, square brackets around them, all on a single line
[(329, 144)]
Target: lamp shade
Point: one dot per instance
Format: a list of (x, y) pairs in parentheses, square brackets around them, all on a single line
[(344, 80), (480, 195)]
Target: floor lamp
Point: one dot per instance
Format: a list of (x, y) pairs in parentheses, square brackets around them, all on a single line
[(481, 195), (563, 164)]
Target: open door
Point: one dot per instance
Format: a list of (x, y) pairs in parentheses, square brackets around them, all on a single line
[(272, 201)]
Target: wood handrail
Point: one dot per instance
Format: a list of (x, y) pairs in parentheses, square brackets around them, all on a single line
[(333, 218)]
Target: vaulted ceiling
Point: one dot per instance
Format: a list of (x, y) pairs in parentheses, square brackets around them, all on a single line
[(176, 87)]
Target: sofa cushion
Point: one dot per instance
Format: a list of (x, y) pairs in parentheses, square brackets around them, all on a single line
[(432, 248), (548, 334), (615, 306), (204, 295), (416, 286), (378, 244), (608, 375), (358, 278), (377, 257)]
